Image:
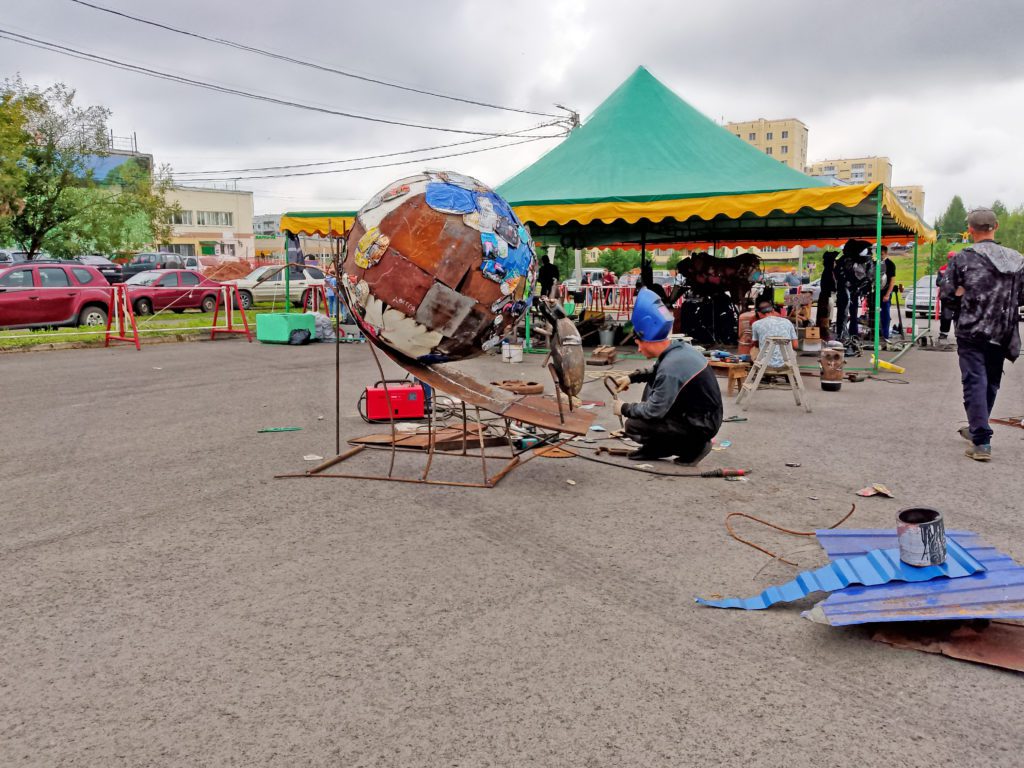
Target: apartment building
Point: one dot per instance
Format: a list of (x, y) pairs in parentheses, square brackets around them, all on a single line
[(855, 170), (212, 222), (785, 140), (912, 197)]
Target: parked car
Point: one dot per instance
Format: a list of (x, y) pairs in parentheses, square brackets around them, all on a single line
[(143, 262), (920, 299), (49, 293), (109, 269), (588, 276), (267, 284), (12, 257), (173, 289)]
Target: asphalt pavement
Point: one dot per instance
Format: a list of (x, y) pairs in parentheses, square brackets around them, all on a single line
[(166, 601)]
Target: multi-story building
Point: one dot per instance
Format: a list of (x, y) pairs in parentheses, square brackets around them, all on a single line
[(212, 222), (785, 140), (856, 170), (912, 197)]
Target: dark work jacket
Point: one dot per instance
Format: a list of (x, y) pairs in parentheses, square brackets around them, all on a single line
[(993, 281), (682, 392)]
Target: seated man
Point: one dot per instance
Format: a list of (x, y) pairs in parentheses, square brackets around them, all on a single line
[(681, 408), (770, 323)]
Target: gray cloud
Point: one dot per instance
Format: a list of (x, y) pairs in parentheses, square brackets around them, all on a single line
[(896, 78)]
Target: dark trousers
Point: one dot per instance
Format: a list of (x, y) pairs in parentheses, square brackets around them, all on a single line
[(885, 318), (981, 371), (824, 316), (847, 308), (945, 320), (667, 439)]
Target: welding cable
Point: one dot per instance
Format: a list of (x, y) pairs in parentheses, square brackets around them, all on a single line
[(790, 531)]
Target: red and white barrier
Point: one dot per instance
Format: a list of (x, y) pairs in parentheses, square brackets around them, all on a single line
[(122, 315), (229, 299)]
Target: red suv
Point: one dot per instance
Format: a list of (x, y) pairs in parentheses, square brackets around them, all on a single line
[(173, 289), (51, 293)]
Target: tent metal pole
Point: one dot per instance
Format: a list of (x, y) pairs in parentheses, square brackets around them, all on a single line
[(913, 315), (931, 287), (878, 272)]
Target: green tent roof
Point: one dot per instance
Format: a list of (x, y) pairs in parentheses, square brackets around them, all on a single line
[(642, 144)]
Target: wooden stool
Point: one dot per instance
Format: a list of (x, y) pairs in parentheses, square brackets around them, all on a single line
[(735, 373)]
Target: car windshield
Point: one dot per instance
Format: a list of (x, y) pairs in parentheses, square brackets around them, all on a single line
[(256, 273), (145, 278), (314, 274), (145, 258)]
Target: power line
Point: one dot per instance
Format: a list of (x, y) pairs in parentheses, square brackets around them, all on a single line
[(369, 167), (302, 63), (33, 42), (372, 157)]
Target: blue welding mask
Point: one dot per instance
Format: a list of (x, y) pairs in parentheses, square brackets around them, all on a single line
[(652, 320)]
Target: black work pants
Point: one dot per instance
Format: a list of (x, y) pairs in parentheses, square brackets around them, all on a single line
[(847, 310), (945, 319), (981, 371), (663, 439)]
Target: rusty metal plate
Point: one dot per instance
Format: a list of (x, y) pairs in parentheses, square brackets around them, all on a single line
[(532, 409), (443, 309), (1000, 644), (419, 234), (463, 342), (399, 283), (475, 284)]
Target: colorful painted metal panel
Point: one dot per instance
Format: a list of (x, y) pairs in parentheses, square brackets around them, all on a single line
[(996, 593), (879, 566)]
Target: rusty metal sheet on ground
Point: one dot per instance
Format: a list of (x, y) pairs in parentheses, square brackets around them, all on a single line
[(1000, 644), (532, 409)]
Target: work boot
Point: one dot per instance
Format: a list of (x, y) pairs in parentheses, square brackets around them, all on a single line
[(965, 433), (698, 459), (979, 452)]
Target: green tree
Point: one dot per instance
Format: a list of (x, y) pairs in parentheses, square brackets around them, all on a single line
[(14, 140), (953, 222), (64, 209), (999, 209), (1011, 229), (619, 261)]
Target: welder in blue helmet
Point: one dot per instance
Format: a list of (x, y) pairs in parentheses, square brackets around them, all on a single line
[(681, 408)]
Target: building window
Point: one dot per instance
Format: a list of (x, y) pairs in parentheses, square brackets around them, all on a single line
[(182, 249), (751, 137), (181, 217), (857, 166), (768, 150), (768, 136), (785, 134), (214, 218), (785, 149)]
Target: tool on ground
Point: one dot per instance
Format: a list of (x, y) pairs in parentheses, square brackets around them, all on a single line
[(887, 366)]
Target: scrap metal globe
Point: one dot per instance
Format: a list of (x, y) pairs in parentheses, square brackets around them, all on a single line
[(437, 267)]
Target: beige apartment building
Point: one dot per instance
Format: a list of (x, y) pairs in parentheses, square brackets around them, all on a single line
[(912, 197), (855, 170), (212, 222), (785, 140)]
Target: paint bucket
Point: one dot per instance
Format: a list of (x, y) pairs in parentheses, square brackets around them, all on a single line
[(922, 536), (512, 353), (607, 336)]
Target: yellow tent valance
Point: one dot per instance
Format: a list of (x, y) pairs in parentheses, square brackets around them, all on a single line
[(760, 204), (324, 224)]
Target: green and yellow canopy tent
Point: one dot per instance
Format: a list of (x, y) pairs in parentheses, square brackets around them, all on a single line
[(648, 168), (312, 224)]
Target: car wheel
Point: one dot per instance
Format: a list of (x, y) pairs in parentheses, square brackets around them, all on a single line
[(246, 299), (143, 307), (209, 303), (306, 298), (93, 316)]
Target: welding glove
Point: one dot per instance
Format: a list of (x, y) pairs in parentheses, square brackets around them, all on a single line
[(621, 382), (617, 407)]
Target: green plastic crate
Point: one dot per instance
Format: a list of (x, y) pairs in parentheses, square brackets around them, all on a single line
[(276, 327)]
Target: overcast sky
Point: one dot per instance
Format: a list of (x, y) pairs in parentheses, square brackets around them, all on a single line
[(936, 86)]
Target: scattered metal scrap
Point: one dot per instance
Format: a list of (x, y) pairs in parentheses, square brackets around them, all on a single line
[(996, 643), (790, 531), (879, 566)]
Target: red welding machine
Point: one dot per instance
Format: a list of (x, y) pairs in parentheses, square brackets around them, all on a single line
[(406, 398)]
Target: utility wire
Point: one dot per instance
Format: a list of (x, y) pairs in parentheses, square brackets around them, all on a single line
[(95, 58), (368, 167), (370, 157), (311, 65)]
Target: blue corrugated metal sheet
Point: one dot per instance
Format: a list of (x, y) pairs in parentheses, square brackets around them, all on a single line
[(996, 593), (879, 566)]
